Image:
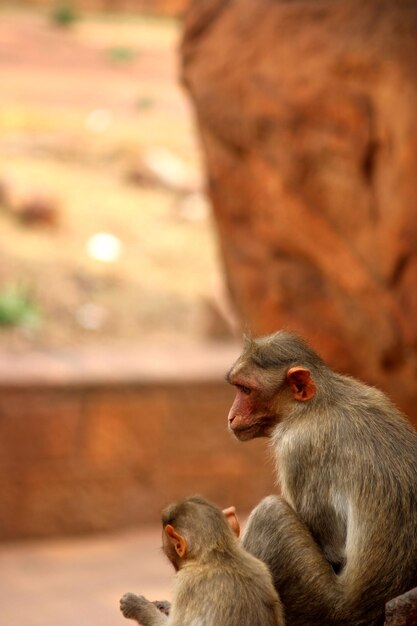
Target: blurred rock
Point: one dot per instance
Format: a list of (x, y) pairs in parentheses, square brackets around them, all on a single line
[(39, 209), (309, 126), (218, 319), (160, 166), (31, 205), (94, 423), (216, 325), (91, 316), (402, 611), (99, 120), (4, 192), (194, 207)]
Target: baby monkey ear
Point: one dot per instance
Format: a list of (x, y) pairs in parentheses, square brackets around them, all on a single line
[(301, 383), (230, 514), (177, 540)]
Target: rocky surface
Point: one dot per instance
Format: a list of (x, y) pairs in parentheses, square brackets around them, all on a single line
[(402, 611), (309, 127), (96, 440)]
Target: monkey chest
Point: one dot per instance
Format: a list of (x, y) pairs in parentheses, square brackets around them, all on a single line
[(320, 505)]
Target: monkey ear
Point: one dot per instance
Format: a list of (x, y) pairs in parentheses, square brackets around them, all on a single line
[(301, 383), (230, 514), (176, 539)]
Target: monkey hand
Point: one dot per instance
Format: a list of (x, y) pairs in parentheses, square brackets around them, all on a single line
[(136, 607), (163, 605)]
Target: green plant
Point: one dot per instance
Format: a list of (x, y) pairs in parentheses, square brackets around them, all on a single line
[(64, 14), (144, 103), (17, 307), (121, 54)]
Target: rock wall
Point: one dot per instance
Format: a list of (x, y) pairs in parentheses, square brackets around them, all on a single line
[(307, 115), (90, 447)]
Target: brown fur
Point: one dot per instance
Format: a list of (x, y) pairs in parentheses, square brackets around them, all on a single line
[(341, 540), (217, 582)]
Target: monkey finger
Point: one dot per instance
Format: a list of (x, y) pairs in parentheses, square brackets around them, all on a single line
[(163, 605)]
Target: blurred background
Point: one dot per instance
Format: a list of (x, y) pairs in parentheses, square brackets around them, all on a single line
[(173, 174), (115, 325)]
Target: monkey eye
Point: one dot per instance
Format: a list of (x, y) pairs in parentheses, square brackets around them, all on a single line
[(245, 390)]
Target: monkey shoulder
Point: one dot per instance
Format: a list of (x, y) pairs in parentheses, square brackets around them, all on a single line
[(355, 420)]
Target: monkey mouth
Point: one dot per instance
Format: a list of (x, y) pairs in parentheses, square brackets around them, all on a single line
[(261, 428)]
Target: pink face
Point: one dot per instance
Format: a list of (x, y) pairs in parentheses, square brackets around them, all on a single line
[(249, 416), (254, 412)]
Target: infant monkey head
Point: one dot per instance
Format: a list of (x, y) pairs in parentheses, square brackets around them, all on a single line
[(194, 527), (217, 583)]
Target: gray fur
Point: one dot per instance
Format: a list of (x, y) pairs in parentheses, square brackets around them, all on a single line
[(218, 583), (341, 540)]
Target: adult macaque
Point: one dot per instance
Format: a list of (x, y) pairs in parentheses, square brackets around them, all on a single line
[(217, 582), (341, 540)]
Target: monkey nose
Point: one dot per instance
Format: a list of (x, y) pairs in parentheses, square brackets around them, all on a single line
[(231, 417)]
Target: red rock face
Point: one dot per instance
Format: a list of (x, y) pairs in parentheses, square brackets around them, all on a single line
[(308, 118)]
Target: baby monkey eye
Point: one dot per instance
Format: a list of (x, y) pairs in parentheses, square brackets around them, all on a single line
[(245, 390)]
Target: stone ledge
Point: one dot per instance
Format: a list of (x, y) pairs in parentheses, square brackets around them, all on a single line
[(98, 441), (107, 366)]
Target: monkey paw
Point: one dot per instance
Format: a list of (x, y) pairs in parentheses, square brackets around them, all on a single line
[(132, 605), (163, 605)]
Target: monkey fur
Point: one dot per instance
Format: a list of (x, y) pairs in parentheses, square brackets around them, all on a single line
[(217, 583), (341, 540)]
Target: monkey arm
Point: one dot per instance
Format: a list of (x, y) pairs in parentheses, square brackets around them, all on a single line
[(142, 610), (304, 577), (300, 571)]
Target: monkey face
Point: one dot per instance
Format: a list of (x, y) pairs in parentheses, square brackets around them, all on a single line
[(249, 416), (265, 394)]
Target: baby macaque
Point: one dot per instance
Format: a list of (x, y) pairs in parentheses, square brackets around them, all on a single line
[(217, 583)]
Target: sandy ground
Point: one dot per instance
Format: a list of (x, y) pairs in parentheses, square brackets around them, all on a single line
[(78, 582), (82, 110)]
